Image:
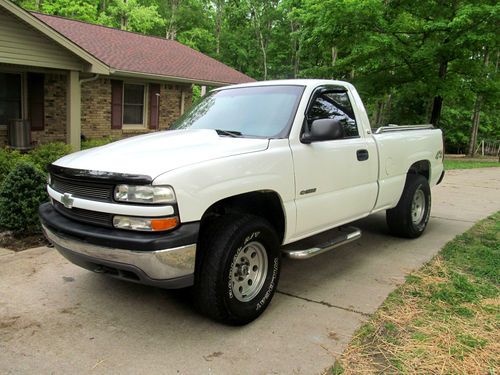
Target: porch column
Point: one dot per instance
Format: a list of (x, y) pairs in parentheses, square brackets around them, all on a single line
[(73, 110)]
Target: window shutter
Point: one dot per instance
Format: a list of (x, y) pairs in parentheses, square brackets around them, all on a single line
[(116, 104), (154, 103), (36, 102)]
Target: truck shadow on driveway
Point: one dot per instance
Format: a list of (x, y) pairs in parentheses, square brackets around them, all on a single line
[(328, 277)]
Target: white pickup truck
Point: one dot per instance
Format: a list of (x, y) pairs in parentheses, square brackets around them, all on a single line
[(251, 173)]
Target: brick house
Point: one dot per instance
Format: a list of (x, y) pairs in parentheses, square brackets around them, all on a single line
[(70, 78)]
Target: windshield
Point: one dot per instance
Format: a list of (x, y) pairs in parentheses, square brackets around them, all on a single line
[(264, 111)]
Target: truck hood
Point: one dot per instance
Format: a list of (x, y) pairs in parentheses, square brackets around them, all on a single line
[(157, 153)]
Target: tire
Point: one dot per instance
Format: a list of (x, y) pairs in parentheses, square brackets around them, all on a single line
[(410, 217), (239, 269)]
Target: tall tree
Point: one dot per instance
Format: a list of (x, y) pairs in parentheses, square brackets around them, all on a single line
[(219, 19), (131, 15), (171, 30), (263, 14)]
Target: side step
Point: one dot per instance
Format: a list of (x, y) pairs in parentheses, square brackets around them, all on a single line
[(312, 246)]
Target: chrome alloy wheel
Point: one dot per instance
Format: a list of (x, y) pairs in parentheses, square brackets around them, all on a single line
[(418, 206), (249, 271)]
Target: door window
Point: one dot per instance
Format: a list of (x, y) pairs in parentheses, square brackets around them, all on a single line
[(334, 104)]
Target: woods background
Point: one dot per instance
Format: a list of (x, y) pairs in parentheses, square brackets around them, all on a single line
[(413, 62)]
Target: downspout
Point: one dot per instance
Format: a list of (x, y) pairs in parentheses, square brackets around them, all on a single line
[(157, 111), (82, 81), (85, 80)]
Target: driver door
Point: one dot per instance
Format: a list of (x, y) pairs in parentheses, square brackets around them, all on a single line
[(336, 180)]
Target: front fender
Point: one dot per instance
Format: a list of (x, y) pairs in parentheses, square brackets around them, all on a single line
[(199, 186)]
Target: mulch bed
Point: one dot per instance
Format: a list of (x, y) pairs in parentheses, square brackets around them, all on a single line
[(21, 241)]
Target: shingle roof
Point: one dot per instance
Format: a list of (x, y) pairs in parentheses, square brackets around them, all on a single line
[(132, 52)]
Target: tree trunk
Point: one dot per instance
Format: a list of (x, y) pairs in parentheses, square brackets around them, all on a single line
[(295, 49), (218, 24), (334, 55), (437, 104), (475, 126), (378, 113), (260, 37), (476, 115), (171, 31), (386, 114), (264, 54)]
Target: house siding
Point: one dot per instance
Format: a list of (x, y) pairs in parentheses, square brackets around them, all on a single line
[(96, 109), (170, 105), (3, 136), (55, 110), (20, 44)]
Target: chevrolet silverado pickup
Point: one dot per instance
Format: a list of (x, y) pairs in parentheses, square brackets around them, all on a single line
[(251, 173)]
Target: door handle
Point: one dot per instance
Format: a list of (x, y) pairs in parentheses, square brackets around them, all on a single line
[(362, 155)]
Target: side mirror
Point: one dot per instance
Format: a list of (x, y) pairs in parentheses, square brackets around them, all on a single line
[(325, 129)]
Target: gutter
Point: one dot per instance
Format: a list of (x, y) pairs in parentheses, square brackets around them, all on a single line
[(158, 77)]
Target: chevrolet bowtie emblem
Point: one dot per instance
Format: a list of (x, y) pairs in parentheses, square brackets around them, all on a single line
[(67, 200)]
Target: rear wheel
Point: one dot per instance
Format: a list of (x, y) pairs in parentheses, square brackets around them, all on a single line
[(239, 268), (410, 217)]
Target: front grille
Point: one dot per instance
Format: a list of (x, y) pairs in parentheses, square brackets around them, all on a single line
[(83, 189), (86, 216)]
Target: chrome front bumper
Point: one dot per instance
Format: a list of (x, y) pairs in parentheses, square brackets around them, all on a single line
[(158, 265)]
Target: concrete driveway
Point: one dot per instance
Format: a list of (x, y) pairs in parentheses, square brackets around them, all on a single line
[(57, 318)]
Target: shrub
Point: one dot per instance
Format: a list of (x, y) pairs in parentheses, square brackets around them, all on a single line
[(21, 192), (89, 143), (8, 159), (43, 155)]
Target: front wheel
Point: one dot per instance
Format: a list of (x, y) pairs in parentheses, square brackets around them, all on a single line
[(410, 217), (239, 268)]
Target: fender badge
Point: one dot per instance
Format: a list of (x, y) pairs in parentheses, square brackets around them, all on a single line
[(308, 191), (67, 200), (439, 155)]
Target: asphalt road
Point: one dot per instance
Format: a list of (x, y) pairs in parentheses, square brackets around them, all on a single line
[(56, 318)]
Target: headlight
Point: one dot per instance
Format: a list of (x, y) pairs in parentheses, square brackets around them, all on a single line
[(145, 224), (144, 194)]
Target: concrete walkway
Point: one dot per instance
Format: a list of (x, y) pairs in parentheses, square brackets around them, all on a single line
[(56, 318)]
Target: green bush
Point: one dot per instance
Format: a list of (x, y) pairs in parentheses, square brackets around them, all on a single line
[(21, 192), (43, 155), (8, 159), (89, 143)]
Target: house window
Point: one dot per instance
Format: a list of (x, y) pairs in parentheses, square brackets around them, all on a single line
[(134, 104), (10, 97)]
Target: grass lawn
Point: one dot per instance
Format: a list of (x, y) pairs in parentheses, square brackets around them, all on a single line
[(444, 319), (469, 163)]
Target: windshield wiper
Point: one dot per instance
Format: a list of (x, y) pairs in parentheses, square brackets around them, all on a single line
[(229, 133)]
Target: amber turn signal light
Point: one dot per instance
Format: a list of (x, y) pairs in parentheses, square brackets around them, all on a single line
[(163, 224)]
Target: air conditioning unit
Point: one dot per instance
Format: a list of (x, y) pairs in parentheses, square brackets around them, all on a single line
[(19, 134)]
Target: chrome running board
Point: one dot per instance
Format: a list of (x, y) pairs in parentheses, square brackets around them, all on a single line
[(323, 242)]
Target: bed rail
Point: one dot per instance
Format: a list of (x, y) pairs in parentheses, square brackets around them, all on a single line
[(397, 128)]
